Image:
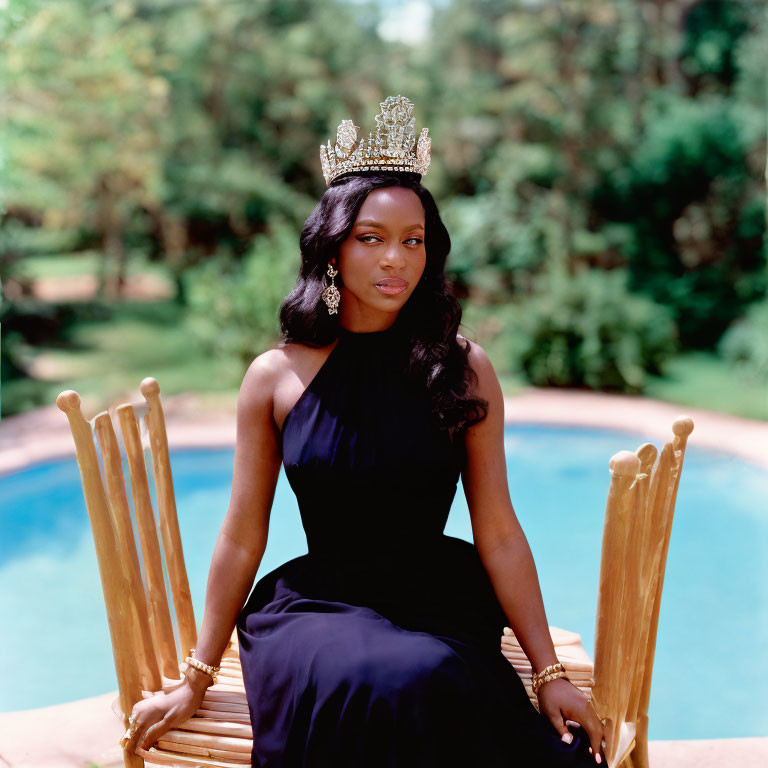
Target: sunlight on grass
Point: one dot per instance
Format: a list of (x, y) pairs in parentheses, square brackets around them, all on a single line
[(703, 380), (86, 263), (108, 360)]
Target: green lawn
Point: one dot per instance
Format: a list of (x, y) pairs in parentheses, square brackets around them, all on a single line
[(85, 263), (107, 360), (704, 380)]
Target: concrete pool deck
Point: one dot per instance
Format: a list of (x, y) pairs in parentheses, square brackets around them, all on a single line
[(86, 732)]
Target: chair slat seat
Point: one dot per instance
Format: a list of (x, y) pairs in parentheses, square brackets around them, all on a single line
[(207, 740), (149, 644), (219, 754), (220, 727), (162, 757), (239, 717)]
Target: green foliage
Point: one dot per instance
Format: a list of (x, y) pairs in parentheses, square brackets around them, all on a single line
[(698, 223), (586, 331), (567, 136), (233, 305), (497, 243), (745, 343), (712, 31)]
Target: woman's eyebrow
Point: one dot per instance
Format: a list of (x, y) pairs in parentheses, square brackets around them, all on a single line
[(373, 223)]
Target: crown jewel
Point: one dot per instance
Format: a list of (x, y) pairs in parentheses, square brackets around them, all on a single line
[(392, 147)]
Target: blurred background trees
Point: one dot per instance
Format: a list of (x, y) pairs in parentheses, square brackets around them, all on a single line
[(600, 166)]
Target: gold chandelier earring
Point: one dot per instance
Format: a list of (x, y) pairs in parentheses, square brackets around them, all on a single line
[(331, 295)]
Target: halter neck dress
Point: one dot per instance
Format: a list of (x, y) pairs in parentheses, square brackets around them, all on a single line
[(380, 647)]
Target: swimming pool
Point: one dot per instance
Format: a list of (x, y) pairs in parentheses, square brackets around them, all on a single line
[(714, 612)]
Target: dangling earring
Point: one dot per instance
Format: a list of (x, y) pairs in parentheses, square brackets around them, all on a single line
[(331, 295)]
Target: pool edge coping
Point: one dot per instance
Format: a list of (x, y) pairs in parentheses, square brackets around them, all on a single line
[(43, 434)]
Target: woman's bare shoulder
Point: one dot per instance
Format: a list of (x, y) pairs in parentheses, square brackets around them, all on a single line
[(480, 363), (276, 376), (475, 353), (274, 363)]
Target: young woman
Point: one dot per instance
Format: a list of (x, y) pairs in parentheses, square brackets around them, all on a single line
[(381, 645)]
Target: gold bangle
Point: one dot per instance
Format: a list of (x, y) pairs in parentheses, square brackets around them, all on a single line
[(190, 661), (210, 668), (556, 667), (541, 681), (551, 672), (214, 667)]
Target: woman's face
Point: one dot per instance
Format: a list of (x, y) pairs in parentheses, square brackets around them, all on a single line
[(382, 260)]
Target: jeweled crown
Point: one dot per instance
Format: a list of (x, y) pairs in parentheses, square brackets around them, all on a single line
[(391, 147)]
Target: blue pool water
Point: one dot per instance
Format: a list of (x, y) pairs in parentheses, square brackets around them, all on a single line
[(714, 612)]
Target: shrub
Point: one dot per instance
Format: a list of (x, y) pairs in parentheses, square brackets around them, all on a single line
[(233, 305), (745, 343), (587, 331)]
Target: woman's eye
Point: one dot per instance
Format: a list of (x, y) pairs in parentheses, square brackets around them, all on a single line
[(368, 238)]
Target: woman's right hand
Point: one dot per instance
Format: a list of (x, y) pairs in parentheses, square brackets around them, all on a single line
[(156, 715)]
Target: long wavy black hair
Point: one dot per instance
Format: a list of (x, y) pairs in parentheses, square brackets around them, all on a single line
[(430, 318)]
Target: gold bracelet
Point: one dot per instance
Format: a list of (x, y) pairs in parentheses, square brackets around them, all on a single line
[(556, 667), (191, 661), (553, 676), (552, 672)]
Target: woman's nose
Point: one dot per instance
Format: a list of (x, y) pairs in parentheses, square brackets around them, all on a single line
[(394, 256)]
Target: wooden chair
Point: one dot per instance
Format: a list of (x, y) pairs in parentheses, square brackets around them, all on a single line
[(147, 657), (636, 532), (638, 523)]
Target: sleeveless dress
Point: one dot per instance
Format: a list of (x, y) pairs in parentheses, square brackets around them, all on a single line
[(381, 647)]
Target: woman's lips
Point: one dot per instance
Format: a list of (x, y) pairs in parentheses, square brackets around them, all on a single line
[(391, 286)]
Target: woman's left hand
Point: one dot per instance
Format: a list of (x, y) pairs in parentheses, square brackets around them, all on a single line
[(561, 700)]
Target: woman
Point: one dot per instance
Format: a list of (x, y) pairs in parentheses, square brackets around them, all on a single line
[(380, 647)]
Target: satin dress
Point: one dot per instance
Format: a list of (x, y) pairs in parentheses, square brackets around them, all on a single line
[(381, 647)]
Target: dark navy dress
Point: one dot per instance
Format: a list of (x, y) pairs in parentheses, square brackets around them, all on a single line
[(381, 647)]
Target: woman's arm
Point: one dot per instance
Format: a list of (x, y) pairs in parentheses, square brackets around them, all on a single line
[(506, 556), (498, 536), (242, 538)]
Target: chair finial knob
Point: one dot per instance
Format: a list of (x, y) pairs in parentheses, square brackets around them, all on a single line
[(624, 464), (149, 386), (683, 426), (68, 400)]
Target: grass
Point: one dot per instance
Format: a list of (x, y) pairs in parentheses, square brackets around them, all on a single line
[(704, 380), (85, 263), (105, 361)]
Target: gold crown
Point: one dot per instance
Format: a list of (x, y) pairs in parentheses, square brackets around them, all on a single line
[(390, 148)]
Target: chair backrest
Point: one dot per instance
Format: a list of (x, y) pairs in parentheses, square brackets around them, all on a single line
[(140, 623), (636, 532)]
